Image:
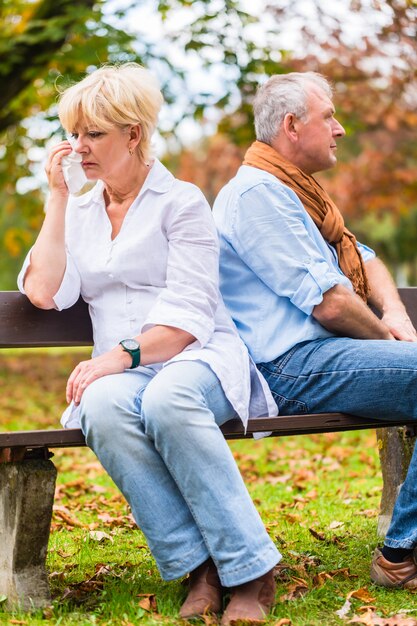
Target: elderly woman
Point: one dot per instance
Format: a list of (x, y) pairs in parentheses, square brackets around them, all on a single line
[(168, 367)]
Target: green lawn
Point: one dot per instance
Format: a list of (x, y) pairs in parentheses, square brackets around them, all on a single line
[(318, 496)]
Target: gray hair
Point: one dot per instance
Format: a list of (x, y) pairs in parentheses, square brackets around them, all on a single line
[(282, 94)]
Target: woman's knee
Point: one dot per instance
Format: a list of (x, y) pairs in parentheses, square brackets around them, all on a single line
[(101, 401), (169, 404)]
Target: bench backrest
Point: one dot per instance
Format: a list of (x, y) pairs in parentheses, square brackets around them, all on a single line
[(23, 325)]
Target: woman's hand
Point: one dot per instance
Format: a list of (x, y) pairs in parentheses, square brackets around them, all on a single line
[(53, 168), (86, 372)]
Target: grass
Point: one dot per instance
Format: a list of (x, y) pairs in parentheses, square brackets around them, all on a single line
[(318, 496)]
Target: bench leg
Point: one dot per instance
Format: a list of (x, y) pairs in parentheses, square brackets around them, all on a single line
[(26, 500), (396, 447)]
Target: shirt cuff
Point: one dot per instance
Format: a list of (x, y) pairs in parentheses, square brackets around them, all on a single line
[(318, 279), (200, 327), (69, 289), (22, 273)]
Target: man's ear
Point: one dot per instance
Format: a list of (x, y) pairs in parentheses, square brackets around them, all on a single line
[(290, 126)]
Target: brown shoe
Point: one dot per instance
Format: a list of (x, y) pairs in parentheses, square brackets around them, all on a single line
[(389, 574), (251, 602), (204, 592)]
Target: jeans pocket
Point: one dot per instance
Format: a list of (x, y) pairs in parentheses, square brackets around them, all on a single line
[(287, 406), (277, 366)]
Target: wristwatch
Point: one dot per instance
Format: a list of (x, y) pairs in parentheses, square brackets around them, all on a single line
[(132, 346)]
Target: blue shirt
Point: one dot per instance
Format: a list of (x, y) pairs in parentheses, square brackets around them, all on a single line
[(275, 265)]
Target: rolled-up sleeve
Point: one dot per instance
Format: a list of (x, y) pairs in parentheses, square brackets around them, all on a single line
[(367, 253), (270, 235), (69, 289), (189, 299)]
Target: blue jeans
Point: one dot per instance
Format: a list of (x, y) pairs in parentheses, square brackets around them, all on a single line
[(370, 378), (158, 437)]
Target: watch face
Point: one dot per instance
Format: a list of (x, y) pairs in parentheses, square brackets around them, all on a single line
[(130, 344)]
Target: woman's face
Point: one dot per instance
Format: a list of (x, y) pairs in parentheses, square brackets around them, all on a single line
[(104, 153)]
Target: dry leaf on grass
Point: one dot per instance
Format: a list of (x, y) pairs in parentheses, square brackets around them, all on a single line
[(336, 524), (296, 589), (342, 612), (361, 594), (370, 618), (317, 535), (148, 602), (99, 535), (282, 622), (209, 620), (66, 515)]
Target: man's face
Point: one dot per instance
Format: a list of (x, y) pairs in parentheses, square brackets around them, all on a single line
[(316, 149)]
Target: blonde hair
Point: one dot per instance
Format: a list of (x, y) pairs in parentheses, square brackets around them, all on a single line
[(114, 95)]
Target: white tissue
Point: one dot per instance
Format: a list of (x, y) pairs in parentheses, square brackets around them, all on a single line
[(73, 172)]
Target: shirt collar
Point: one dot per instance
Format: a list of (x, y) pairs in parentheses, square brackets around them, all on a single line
[(93, 196), (159, 180)]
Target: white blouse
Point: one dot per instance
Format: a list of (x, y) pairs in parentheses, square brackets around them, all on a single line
[(161, 268)]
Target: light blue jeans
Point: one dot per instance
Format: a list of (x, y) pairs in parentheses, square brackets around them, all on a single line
[(158, 437), (370, 378)]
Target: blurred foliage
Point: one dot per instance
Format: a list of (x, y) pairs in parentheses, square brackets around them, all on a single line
[(44, 44), (40, 41), (375, 85)]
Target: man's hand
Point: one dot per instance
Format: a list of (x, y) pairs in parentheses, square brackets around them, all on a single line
[(400, 325), (86, 372), (385, 298)]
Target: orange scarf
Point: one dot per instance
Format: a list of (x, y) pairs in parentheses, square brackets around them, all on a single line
[(319, 206)]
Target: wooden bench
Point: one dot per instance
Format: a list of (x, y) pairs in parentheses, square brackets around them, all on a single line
[(27, 475)]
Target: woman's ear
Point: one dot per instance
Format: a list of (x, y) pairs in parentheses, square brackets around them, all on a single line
[(135, 135)]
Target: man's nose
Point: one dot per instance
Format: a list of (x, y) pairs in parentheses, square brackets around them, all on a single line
[(338, 130)]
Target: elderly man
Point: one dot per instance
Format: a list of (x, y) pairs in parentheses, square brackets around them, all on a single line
[(298, 285)]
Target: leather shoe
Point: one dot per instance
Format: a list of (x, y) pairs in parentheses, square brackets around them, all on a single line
[(204, 592), (389, 574), (251, 602)]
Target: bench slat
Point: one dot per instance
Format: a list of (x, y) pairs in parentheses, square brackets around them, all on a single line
[(280, 426)]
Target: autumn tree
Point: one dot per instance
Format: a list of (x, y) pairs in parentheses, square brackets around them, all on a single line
[(375, 83), (43, 41)]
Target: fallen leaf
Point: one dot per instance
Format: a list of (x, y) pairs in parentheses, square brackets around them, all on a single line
[(148, 602), (282, 622), (361, 594), (64, 555), (209, 620), (320, 578), (99, 535), (316, 535), (342, 613), (336, 524), (296, 590), (66, 516)]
